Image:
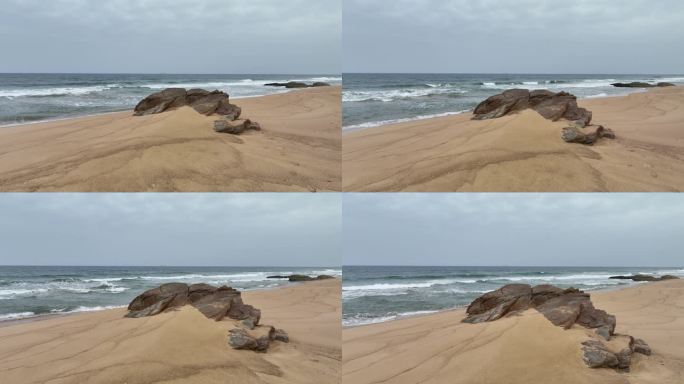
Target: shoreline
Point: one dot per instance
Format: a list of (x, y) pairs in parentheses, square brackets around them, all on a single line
[(49, 316), (130, 110), (385, 123), (463, 307)]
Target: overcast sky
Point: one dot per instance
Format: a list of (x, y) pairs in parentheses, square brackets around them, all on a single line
[(514, 229), (171, 229), (521, 36), (171, 36)]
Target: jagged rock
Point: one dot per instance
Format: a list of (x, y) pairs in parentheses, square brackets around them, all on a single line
[(204, 102), (639, 346), (214, 303), (596, 355), (624, 359), (640, 277), (248, 324), (577, 135), (241, 339), (552, 106), (278, 334), (663, 84), (320, 84), (563, 307), (298, 278), (604, 332), (262, 344), (235, 127)]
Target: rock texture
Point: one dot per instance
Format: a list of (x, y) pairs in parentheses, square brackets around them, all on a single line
[(581, 136), (204, 102), (241, 339), (297, 84), (564, 308), (235, 127), (640, 84), (297, 278), (645, 277), (552, 106), (214, 303)]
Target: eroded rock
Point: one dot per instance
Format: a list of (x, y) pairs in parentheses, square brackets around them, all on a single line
[(582, 136), (235, 127), (596, 355), (639, 346), (204, 102), (297, 84), (552, 106), (639, 277), (641, 84), (299, 278)]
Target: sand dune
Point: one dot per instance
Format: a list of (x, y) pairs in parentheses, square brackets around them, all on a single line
[(299, 150), (524, 152), (180, 347), (523, 349)]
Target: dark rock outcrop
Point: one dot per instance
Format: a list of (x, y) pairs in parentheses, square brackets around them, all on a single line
[(214, 303), (640, 277), (297, 84), (578, 135), (298, 278), (552, 106), (641, 84), (242, 339), (204, 102), (564, 308), (235, 127)]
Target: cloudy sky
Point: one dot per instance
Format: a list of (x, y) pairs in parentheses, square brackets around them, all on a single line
[(171, 36), (514, 229), (521, 36), (171, 229)]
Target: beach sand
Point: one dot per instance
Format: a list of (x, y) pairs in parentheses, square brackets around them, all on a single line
[(181, 346), (524, 152), (298, 150), (523, 349)]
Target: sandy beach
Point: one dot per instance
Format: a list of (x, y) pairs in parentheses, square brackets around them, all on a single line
[(524, 152), (521, 349), (181, 346), (298, 150)]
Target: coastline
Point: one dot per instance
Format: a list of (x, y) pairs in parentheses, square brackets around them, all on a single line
[(178, 151), (104, 347), (438, 348), (463, 307), (524, 152)]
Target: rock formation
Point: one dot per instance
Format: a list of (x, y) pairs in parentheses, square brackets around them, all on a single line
[(577, 135), (640, 84), (204, 102), (297, 278), (297, 84), (235, 127), (639, 277), (214, 303), (552, 106), (564, 308), (241, 339)]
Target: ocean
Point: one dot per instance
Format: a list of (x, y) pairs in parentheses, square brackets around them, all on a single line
[(371, 100), (27, 292), (378, 294), (26, 98)]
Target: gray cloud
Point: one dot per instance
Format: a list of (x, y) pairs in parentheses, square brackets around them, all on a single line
[(171, 229), (171, 36), (522, 36), (514, 229)]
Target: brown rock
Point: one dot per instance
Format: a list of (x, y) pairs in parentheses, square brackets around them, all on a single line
[(497, 304), (596, 355), (241, 339), (204, 102), (639, 346)]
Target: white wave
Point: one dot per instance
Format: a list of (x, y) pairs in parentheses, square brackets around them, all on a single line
[(381, 286), (397, 94), (597, 96), (16, 316), (57, 91), (88, 309), (357, 321), (21, 292), (373, 124), (530, 82)]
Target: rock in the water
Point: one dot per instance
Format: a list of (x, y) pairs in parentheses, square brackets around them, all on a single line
[(204, 102), (214, 303), (634, 84), (279, 335), (552, 106), (639, 346), (296, 278), (297, 84), (663, 84), (241, 339), (320, 84), (640, 277), (596, 355)]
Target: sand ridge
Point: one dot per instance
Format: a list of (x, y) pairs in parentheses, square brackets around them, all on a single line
[(524, 152), (180, 346), (299, 150), (439, 348)]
